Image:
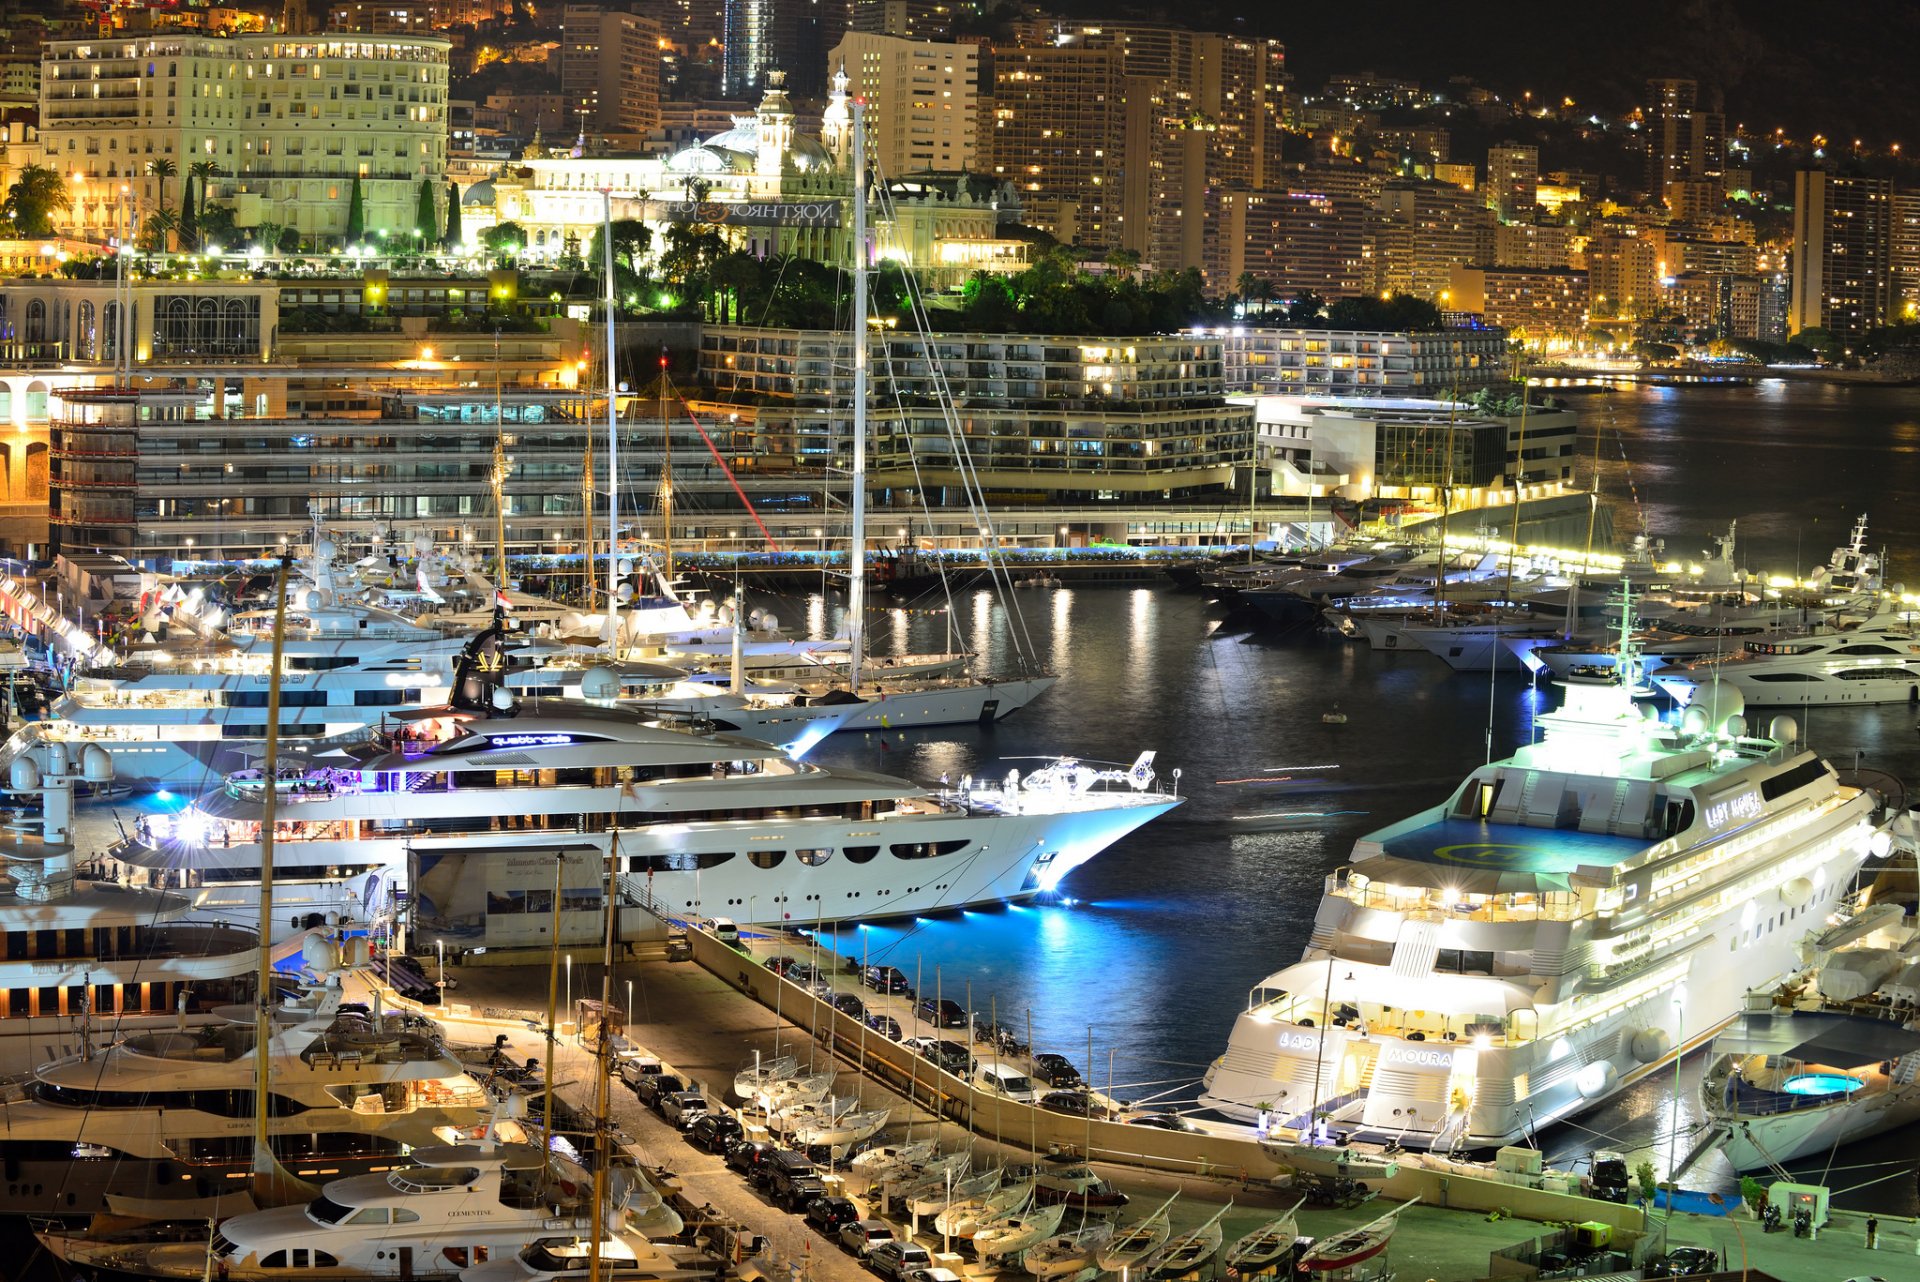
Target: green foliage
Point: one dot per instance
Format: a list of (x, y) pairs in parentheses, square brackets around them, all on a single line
[(289, 242), (357, 213), (217, 228), (631, 240), (1401, 312), (504, 241), (426, 215), (1495, 403), (1752, 1191), (154, 230), (1643, 1176), (1304, 309), (33, 199), (1819, 341), (453, 236)]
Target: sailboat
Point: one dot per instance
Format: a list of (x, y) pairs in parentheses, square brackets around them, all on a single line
[(1133, 1243), (1018, 1232), (1354, 1246), (1266, 1245), (1068, 1253), (1189, 1251), (749, 1082)]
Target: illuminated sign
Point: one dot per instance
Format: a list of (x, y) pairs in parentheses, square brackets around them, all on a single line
[(1415, 1058), (1735, 809), (1298, 1042), (747, 213), (530, 740)]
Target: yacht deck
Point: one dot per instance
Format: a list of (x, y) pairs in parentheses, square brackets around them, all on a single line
[(1478, 843)]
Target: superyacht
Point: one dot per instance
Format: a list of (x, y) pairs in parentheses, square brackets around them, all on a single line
[(1558, 928), (697, 825)]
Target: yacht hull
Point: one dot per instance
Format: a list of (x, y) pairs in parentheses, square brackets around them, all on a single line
[(970, 704)]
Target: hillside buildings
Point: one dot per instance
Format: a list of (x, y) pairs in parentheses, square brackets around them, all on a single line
[(1843, 236)]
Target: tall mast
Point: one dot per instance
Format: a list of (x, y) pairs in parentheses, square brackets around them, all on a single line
[(613, 442), (266, 1170), (666, 472), (857, 557)]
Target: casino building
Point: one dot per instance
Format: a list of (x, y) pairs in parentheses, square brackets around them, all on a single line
[(768, 187)]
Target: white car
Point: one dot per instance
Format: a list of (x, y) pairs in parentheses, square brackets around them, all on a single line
[(682, 1107)]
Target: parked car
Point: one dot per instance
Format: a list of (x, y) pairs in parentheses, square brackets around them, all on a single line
[(784, 1169), (1056, 1070), (831, 1214), (1072, 1103), (863, 1237), (715, 1132), (800, 972), (1005, 1081), (848, 1004), (1685, 1262), (749, 1157), (802, 1192), (952, 1056), (885, 1025), (782, 964), (639, 1069), (921, 1046), (654, 1086), (896, 1259), (683, 1108), (886, 979), (821, 986), (934, 1274), (943, 1012), (1164, 1122)]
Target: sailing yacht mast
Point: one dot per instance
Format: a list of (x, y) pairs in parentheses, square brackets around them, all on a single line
[(613, 442), (265, 1166), (857, 556)]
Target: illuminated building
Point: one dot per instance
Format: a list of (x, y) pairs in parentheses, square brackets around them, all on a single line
[(1549, 304), (1842, 269), (1513, 177), (1054, 125), (1266, 361), (1685, 141), (920, 99), (1424, 231), (1298, 242), (610, 70), (291, 123)]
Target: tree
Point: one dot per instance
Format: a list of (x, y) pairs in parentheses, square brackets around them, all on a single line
[(163, 169), (631, 240), (1304, 308), (217, 228), (33, 199), (451, 238), (192, 230), (504, 240), (153, 232), (426, 216), (289, 242), (356, 213), (1123, 262)]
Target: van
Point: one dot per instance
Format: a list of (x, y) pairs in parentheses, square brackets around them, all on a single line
[(725, 931), (1004, 1080)]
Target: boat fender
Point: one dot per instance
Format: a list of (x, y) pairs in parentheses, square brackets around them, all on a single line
[(1797, 891), (1650, 1044)]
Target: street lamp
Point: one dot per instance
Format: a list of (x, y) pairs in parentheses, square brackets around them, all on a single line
[(569, 984), (629, 1010)]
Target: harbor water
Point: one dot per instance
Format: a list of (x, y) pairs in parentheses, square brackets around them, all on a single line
[(1138, 972)]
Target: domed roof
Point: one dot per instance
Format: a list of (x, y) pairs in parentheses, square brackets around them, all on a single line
[(481, 193)]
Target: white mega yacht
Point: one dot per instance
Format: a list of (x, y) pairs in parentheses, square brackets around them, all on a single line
[(705, 825), (1554, 930), (1877, 662), (169, 1114)]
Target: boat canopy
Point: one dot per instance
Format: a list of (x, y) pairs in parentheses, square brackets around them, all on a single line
[(1820, 1037), (1464, 877)]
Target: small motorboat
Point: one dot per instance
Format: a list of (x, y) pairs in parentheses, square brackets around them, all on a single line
[(1331, 1159), (1077, 1185), (1266, 1247), (790, 1092), (1132, 1243)]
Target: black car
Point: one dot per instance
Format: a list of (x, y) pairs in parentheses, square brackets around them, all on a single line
[(714, 1132), (1056, 1070), (885, 1025), (654, 1087), (1685, 1262), (1164, 1122), (952, 1056), (848, 1004), (749, 1157), (1072, 1103), (828, 1214), (943, 1012), (886, 979)]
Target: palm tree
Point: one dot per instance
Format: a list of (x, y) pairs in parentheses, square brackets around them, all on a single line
[(162, 169), (189, 219), (153, 238)]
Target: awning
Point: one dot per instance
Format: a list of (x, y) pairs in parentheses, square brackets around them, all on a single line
[(1465, 879)]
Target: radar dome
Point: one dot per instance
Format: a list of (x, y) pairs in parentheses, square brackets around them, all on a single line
[(1695, 721), (96, 765), (24, 775), (503, 699), (423, 543), (1735, 726), (310, 599), (358, 951), (770, 621), (1784, 731), (324, 550), (624, 593), (599, 683), (318, 953), (624, 567)]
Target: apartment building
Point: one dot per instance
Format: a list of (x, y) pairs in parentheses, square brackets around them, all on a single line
[(1843, 237), (610, 69), (1297, 242), (1513, 177), (290, 122), (921, 101), (1324, 362), (1546, 306), (1054, 125), (1044, 419), (1424, 231)]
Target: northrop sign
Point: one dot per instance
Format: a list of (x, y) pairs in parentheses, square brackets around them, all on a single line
[(747, 213)]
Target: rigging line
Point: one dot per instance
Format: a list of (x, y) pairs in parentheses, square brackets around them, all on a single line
[(920, 488), (997, 567), (725, 470)]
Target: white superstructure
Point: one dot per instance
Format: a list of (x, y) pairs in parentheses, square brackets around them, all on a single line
[(1549, 933), (1877, 662)]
